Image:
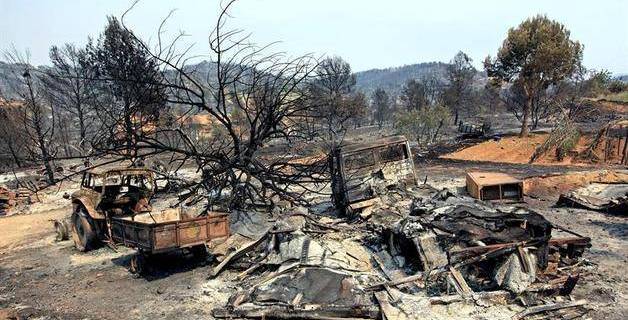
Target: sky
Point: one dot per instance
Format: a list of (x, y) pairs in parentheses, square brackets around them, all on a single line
[(367, 33)]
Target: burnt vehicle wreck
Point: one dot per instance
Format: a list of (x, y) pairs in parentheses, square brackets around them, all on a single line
[(114, 207), (418, 246), (360, 172)]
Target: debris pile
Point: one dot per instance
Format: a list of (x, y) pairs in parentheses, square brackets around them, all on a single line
[(11, 198), (443, 249), (471, 246), (605, 197), (7, 200), (294, 270)]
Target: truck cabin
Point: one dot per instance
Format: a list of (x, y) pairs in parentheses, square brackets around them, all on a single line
[(121, 189), (361, 171)]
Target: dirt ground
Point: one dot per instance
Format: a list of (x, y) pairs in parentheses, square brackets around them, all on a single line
[(513, 149), (551, 186), (44, 279)]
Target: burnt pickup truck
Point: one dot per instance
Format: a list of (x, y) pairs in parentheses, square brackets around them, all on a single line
[(361, 171), (113, 206)]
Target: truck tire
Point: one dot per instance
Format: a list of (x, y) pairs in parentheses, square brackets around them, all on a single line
[(82, 232), (137, 265), (200, 252)]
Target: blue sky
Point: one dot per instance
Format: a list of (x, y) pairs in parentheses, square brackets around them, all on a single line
[(367, 33)]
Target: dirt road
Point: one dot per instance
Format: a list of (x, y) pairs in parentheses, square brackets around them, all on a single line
[(41, 277)]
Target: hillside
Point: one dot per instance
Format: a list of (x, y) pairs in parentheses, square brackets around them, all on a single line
[(7, 80), (392, 79)]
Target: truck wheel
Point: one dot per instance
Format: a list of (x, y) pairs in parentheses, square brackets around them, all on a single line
[(82, 232), (137, 265), (200, 252)]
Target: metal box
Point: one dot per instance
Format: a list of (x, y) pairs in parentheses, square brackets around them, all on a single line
[(494, 186)]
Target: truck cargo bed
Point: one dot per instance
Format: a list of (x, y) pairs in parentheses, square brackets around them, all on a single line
[(170, 229)]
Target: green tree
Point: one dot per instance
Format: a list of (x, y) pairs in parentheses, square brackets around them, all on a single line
[(598, 83), (414, 95), (535, 55), (129, 82), (381, 104), (423, 125), (359, 106), (617, 86), (334, 103), (460, 73)]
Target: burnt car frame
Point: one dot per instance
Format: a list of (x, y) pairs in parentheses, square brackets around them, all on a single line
[(362, 171), (106, 193), (113, 206)]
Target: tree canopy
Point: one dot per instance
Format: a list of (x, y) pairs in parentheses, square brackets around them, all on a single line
[(536, 54)]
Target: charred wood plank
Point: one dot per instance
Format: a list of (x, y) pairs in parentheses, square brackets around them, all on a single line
[(236, 254), (584, 241), (389, 312), (459, 283), (548, 307)]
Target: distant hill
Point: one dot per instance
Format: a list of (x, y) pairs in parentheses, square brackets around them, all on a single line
[(393, 79), (622, 77), (390, 79), (7, 79)]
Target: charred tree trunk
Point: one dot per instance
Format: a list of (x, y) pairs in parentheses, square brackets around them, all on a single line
[(82, 130), (129, 132), (525, 118), (47, 159), (624, 157), (40, 133), (440, 125)]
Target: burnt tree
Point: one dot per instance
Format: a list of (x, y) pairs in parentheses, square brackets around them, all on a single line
[(36, 115), (71, 84), (252, 98)]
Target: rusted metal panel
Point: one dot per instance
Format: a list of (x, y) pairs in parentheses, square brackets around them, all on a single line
[(494, 186), (217, 225), (179, 233), (605, 197), (121, 170), (191, 232), (165, 237)]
